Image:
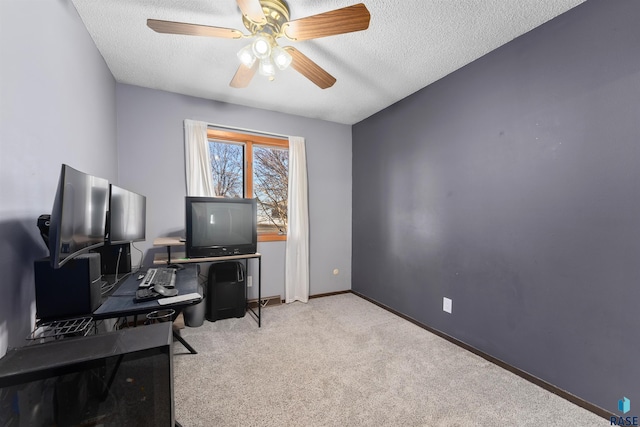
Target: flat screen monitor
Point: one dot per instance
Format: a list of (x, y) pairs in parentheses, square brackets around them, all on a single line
[(78, 216), (217, 226), (127, 216)]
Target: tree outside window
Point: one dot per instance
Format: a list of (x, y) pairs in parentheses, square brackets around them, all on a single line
[(227, 162), (259, 166), (270, 186)]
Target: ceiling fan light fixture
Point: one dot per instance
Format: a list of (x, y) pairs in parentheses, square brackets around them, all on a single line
[(246, 56), (267, 21), (261, 47), (281, 57)]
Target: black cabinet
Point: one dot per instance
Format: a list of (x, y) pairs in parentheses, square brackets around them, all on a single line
[(226, 291), (121, 378)]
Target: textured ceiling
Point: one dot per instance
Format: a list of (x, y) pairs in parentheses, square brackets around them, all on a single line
[(409, 45)]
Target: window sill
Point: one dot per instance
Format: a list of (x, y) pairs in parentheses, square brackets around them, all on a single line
[(271, 237)]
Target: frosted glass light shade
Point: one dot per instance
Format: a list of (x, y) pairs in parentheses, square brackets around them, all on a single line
[(246, 56), (261, 47), (281, 57), (267, 68)]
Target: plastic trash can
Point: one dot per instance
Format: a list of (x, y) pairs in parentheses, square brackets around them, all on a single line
[(194, 314)]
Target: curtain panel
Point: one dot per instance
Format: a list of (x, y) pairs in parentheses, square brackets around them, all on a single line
[(197, 162), (297, 250)]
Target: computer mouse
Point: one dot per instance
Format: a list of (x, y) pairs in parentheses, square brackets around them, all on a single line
[(165, 292)]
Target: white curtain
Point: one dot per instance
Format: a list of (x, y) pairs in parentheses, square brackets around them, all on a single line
[(297, 249), (197, 161)]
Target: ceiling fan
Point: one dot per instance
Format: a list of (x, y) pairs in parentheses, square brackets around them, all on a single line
[(268, 20)]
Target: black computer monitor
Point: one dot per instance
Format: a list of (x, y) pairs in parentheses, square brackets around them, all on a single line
[(79, 215), (127, 216)]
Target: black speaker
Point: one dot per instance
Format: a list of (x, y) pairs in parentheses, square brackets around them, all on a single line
[(226, 291), (44, 223), (109, 255), (72, 290)]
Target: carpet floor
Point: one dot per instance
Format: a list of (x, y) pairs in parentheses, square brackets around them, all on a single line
[(343, 361)]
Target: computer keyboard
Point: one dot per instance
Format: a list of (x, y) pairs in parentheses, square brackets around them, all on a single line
[(179, 298), (159, 276)]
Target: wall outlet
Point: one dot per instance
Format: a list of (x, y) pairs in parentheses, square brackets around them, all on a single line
[(447, 304), (249, 281)]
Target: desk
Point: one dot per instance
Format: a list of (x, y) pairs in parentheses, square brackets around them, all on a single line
[(121, 303), (180, 258)]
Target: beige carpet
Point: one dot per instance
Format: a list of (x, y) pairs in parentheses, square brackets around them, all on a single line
[(342, 361)]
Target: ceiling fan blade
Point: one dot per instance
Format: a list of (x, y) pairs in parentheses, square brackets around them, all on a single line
[(338, 21), (302, 64), (252, 10), (170, 27), (243, 76)]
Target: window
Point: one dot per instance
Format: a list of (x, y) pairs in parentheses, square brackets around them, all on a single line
[(244, 165)]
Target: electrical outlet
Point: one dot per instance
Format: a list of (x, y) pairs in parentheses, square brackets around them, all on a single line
[(447, 305), (249, 281)]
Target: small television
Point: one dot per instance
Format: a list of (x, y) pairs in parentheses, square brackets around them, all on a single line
[(79, 215), (218, 226), (127, 216)]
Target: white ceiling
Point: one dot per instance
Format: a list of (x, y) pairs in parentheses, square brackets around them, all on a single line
[(409, 45)]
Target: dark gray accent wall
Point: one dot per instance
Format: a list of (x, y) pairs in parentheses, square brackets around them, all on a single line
[(512, 186)]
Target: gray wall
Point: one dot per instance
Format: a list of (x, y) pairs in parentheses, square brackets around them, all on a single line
[(57, 105), (150, 131), (512, 187)]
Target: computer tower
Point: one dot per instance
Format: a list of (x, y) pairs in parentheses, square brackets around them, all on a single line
[(72, 290), (226, 291), (115, 256)]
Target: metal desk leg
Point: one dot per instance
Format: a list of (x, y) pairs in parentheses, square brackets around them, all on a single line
[(259, 291), (258, 315), (177, 336)]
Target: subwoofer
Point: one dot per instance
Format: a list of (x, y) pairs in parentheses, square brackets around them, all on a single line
[(73, 290)]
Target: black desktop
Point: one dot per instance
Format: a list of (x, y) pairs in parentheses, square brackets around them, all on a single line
[(115, 258)]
